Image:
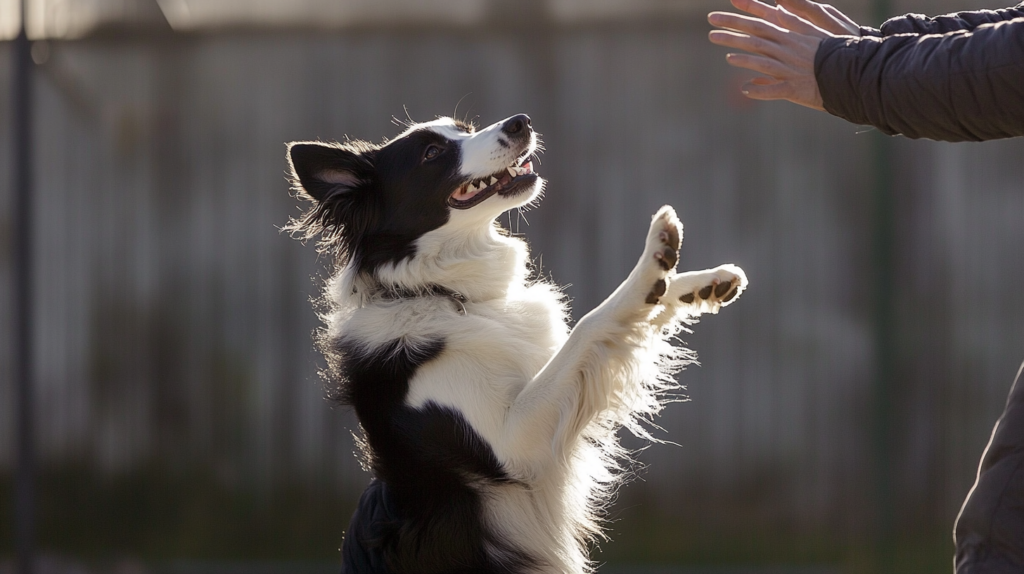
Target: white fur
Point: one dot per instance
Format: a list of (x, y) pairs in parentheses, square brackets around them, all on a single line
[(547, 401)]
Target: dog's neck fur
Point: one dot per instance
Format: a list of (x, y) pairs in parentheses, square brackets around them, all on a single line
[(469, 264)]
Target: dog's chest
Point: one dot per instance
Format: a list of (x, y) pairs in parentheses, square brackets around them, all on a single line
[(489, 355)]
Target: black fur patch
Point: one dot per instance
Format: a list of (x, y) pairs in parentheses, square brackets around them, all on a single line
[(422, 512), (387, 198)]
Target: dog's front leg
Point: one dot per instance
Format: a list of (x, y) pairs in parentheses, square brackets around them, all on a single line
[(599, 366)]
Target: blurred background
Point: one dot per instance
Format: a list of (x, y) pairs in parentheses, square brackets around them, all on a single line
[(842, 405)]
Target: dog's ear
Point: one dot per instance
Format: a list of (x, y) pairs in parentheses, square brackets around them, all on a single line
[(339, 180), (321, 170)]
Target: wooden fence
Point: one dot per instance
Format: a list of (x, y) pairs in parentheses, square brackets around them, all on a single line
[(174, 319)]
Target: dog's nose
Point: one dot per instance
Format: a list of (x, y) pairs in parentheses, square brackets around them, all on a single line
[(517, 125)]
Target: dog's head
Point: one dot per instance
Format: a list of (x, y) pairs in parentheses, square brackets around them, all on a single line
[(372, 202)]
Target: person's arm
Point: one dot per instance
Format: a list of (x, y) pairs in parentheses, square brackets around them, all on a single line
[(965, 85), (959, 86), (921, 24)]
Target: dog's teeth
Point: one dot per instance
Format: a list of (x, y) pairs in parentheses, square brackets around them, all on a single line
[(494, 180), (511, 171), (475, 186)]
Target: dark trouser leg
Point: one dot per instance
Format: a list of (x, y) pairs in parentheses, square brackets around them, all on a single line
[(989, 531)]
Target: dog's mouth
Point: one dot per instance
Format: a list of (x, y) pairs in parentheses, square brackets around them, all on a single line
[(511, 181)]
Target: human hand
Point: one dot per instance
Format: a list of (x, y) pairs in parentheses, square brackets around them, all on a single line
[(783, 40)]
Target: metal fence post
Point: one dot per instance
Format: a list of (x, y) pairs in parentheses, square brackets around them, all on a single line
[(21, 223), (886, 339)]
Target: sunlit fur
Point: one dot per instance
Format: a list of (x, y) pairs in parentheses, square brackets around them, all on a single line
[(548, 402)]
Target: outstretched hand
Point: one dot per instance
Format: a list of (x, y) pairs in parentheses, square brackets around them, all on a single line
[(782, 40)]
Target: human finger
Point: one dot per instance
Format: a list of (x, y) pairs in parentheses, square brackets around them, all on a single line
[(756, 8), (741, 22), (761, 64), (744, 42), (809, 10), (818, 15), (770, 14), (785, 34), (790, 21), (754, 27), (852, 27)]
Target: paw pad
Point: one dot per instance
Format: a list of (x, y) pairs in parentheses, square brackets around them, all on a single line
[(664, 249), (670, 236), (717, 292), (666, 258), (667, 255), (656, 292)]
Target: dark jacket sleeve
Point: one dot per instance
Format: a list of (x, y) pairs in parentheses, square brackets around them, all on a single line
[(959, 86), (921, 24)]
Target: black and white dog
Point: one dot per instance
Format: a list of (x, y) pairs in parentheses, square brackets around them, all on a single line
[(488, 425)]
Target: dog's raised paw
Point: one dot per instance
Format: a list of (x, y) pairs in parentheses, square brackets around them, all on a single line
[(708, 290), (663, 241)]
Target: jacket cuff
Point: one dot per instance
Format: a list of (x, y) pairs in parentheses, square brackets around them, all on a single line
[(839, 79)]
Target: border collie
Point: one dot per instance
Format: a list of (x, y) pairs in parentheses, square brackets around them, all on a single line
[(489, 425)]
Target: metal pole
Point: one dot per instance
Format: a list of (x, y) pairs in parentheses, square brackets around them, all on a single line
[(21, 221), (886, 340)]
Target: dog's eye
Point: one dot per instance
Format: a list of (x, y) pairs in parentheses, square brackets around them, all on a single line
[(432, 152)]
